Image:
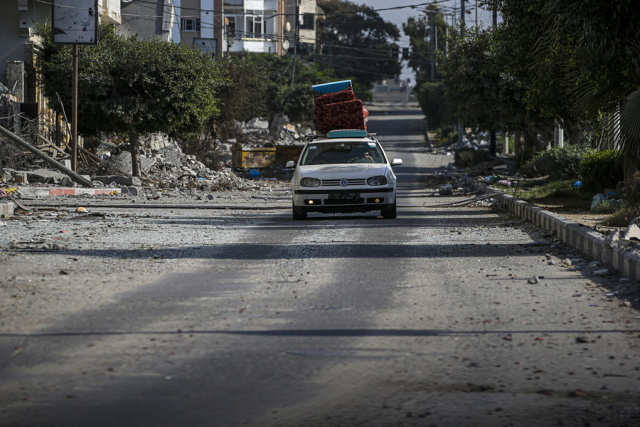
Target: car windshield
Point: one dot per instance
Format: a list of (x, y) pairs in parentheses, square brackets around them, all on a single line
[(342, 152)]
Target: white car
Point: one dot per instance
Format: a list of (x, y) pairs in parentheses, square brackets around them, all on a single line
[(346, 172)]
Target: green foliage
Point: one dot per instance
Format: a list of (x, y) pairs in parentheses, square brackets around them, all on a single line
[(556, 191), (435, 104), (557, 163), (602, 170), (608, 206), (260, 85), (584, 52), (131, 85), (427, 37), (357, 43), (475, 84), (468, 157)]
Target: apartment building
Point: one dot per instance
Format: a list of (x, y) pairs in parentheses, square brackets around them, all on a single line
[(232, 26), (147, 19), (308, 14)]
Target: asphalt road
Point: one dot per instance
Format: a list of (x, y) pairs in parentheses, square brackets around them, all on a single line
[(445, 316)]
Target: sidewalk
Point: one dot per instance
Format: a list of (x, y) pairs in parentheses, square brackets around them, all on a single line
[(8, 208), (585, 239)]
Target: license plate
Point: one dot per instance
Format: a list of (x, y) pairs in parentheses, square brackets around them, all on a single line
[(344, 196)]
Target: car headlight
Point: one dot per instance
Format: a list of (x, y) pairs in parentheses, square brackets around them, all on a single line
[(377, 180), (310, 182)]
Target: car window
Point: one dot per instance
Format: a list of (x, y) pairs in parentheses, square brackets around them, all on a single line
[(342, 152)]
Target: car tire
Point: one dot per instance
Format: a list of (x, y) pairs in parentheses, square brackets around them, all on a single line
[(299, 214), (389, 212)]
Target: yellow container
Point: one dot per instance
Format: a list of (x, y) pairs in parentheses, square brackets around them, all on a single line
[(258, 157)]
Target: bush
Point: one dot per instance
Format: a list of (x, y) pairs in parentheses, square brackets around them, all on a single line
[(468, 157), (602, 170), (558, 163)]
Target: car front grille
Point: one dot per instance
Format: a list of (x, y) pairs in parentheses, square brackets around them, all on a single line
[(337, 182)]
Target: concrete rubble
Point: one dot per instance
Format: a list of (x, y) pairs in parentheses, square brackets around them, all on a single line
[(163, 164)]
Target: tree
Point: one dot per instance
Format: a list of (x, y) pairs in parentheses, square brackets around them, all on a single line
[(427, 36), (357, 43), (481, 93), (585, 54), (132, 86), (287, 94), (435, 104)]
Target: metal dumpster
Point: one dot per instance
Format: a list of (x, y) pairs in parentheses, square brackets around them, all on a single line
[(257, 157)]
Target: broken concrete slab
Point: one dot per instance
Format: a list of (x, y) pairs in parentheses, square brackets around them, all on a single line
[(118, 180), (7, 208)]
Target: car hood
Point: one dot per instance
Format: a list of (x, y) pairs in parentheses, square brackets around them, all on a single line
[(360, 170)]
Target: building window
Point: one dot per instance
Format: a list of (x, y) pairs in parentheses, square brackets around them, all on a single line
[(308, 21), (231, 26), (189, 24), (254, 26)]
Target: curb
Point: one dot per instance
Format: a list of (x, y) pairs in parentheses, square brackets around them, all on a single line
[(7, 209), (65, 191), (583, 238)]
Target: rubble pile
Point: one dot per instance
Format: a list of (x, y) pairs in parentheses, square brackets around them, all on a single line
[(173, 168), (165, 165), (258, 132)]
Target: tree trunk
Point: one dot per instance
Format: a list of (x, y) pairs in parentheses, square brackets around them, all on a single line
[(493, 146), (518, 145), (135, 161)]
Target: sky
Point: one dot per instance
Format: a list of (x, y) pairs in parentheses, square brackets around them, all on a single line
[(400, 15)]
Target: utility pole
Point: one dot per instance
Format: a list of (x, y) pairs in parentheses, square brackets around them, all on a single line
[(434, 41), (460, 124), (296, 37), (493, 146), (74, 110)]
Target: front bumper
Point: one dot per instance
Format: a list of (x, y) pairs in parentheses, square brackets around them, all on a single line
[(347, 200)]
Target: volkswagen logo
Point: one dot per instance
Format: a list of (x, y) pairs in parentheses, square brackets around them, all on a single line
[(344, 182)]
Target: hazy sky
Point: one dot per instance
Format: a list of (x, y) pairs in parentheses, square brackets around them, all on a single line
[(399, 16)]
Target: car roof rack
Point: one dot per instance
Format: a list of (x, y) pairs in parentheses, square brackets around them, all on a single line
[(342, 133), (347, 133)]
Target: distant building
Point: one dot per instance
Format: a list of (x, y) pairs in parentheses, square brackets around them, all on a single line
[(308, 14), (254, 26), (148, 19)]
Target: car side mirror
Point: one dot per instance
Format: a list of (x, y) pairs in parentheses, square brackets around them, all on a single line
[(396, 162), (290, 164)]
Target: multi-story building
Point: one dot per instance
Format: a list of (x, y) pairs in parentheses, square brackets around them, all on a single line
[(308, 14), (254, 26), (232, 26), (149, 19)]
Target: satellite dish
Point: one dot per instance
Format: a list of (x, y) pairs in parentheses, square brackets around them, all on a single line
[(285, 45), (287, 26)]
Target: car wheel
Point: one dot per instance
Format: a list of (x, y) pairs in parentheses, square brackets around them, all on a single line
[(390, 212), (299, 214)]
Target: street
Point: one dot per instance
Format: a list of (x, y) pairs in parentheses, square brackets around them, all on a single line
[(445, 316)]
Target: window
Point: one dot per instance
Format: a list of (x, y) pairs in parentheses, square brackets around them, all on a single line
[(308, 21), (189, 24), (257, 26), (231, 26), (254, 26)]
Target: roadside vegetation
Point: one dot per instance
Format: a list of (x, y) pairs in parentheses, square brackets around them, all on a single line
[(543, 65)]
